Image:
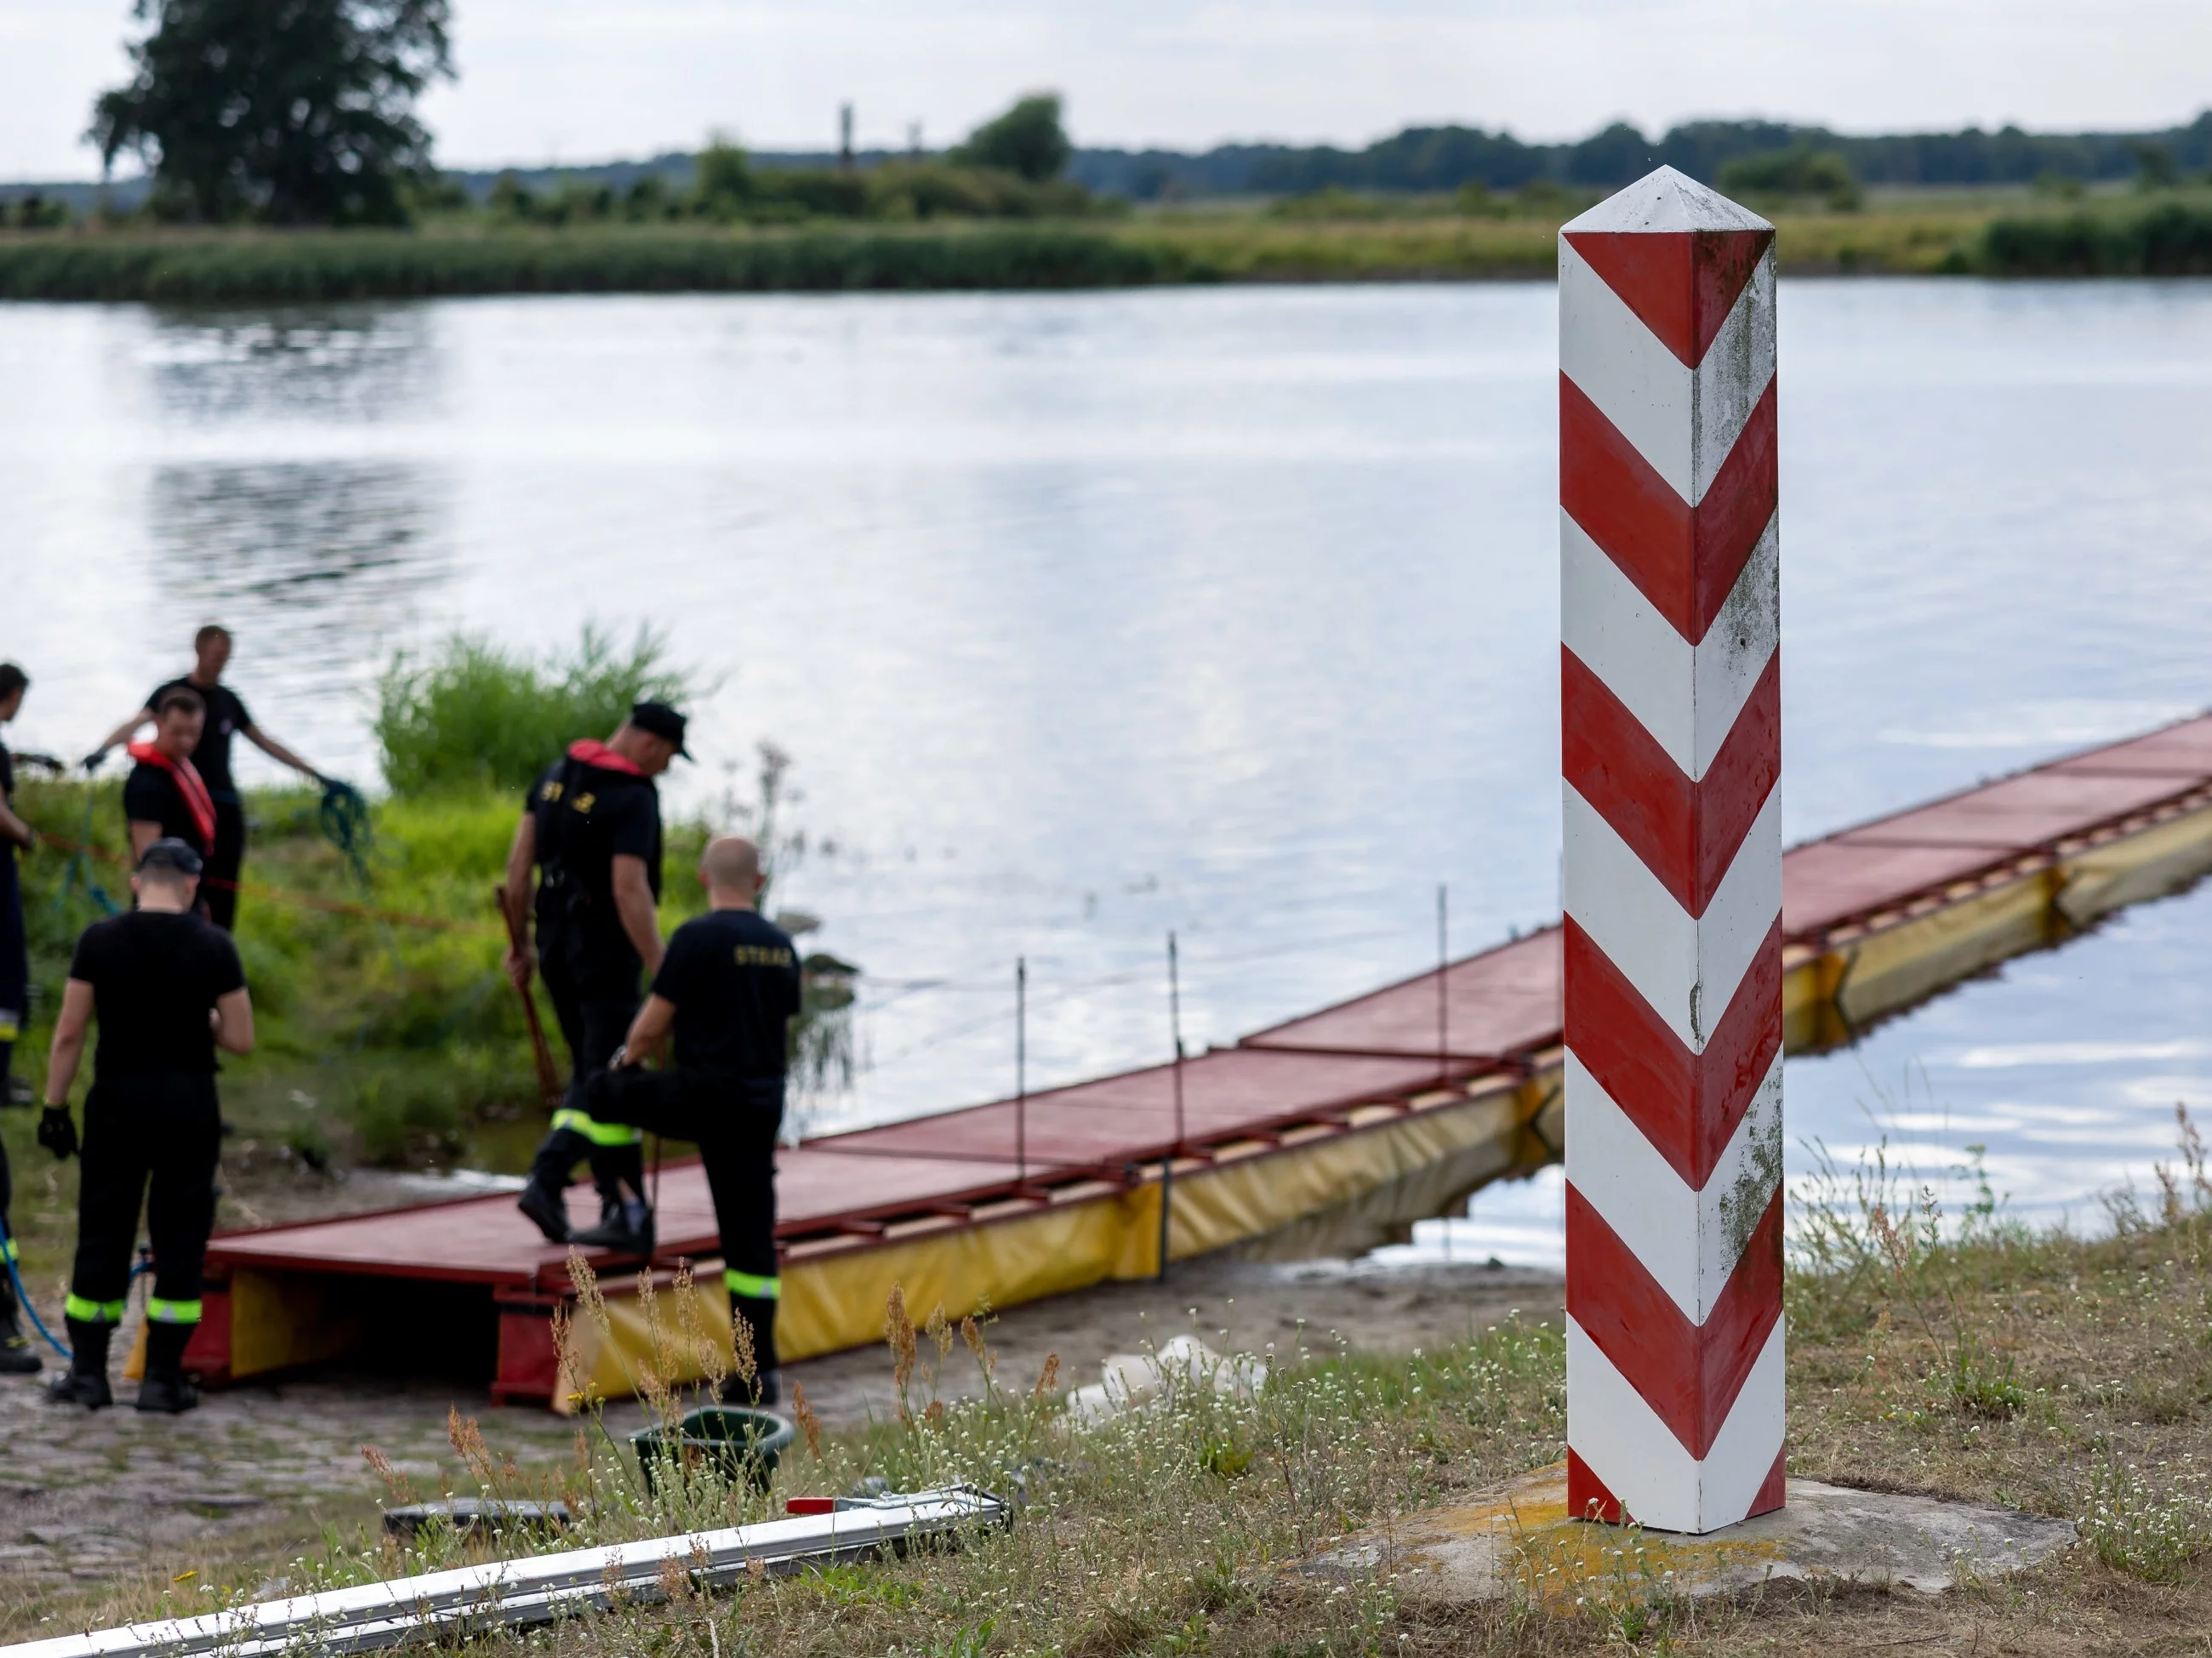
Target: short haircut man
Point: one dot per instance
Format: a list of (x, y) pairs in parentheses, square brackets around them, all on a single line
[(168, 989), (726, 992), (164, 797)]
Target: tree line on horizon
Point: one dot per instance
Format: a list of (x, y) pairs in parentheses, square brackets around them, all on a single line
[(304, 115), (1433, 159)]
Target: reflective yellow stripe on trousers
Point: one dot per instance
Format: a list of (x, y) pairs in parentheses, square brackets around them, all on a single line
[(599, 1134), (159, 1311), (92, 1312), (751, 1286)]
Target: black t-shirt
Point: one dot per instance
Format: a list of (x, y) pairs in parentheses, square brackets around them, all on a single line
[(734, 977), (150, 795), (586, 816), (6, 795), (154, 976), (226, 718)]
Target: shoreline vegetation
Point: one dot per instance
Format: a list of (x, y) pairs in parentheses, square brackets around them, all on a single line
[(1329, 235), (1965, 1357), (390, 1037)]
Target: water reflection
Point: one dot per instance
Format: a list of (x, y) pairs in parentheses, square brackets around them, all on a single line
[(317, 563), (350, 364)]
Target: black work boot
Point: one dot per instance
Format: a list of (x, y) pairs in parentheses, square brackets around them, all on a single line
[(547, 1213), (167, 1389), (85, 1381), (17, 1356), (625, 1226)]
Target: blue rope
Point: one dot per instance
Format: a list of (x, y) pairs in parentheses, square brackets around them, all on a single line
[(23, 1298), (78, 864), (343, 816)]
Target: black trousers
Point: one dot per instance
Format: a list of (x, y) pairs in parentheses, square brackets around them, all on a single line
[(151, 1140), (734, 1124), (15, 965), (220, 875), (594, 1016)]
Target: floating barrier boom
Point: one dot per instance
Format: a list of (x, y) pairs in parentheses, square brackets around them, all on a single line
[(1338, 1108)]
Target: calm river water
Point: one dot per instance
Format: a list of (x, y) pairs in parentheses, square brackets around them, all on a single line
[(1232, 611)]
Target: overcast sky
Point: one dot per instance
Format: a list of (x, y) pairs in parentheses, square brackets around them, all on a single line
[(591, 80)]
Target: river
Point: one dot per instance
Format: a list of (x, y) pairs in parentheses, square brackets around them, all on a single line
[(1229, 611)]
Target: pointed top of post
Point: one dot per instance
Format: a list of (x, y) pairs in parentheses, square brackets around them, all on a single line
[(1665, 202)]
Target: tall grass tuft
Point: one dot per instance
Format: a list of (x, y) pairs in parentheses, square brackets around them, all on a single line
[(308, 266), (2171, 237), (474, 715)]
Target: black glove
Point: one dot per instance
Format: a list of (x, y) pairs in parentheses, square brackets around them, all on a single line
[(92, 761), (58, 1132)]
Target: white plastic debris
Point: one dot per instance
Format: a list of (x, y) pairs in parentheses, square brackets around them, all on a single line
[(1131, 1382)]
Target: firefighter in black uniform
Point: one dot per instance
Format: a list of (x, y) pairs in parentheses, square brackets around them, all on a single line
[(16, 1356), (727, 990), (164, 797), (167, 990), (226, 718), (592, 828)]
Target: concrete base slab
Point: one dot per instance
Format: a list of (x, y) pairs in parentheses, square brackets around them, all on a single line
[(1520, 1538)]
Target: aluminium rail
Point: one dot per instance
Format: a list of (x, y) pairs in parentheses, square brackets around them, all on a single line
[(536, 1589)]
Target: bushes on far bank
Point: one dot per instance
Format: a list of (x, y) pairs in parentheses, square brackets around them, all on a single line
[(2171, 238), (314, 266)]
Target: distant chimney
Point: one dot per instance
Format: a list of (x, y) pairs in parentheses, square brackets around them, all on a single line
[(914, 139), (844, 137)]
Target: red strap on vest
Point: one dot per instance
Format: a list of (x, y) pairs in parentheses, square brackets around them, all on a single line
[(197, 800), (592, 752)]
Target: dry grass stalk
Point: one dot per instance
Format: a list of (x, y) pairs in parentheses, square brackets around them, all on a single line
[(898, 1332), (809, 1424), (747, 1368), (466, 1437)]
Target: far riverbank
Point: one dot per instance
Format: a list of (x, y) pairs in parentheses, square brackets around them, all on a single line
[(1351, 239)]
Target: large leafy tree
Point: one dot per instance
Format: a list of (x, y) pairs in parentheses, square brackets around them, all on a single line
[(292, 111), (1028, 140)]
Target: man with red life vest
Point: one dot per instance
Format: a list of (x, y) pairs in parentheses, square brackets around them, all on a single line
[(164, 797), (224, 717), (591, 830)]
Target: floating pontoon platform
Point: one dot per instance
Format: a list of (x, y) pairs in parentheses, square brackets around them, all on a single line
[(1291, 1122)]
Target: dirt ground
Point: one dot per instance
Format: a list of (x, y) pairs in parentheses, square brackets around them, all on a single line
[(90, 1498)]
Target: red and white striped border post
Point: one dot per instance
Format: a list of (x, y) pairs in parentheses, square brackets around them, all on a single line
[(1670, 701)]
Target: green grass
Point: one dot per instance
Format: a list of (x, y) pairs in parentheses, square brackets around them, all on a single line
[(2169, 235), (1183, 1528), (1332, 236), (272, 267), (473, 715)]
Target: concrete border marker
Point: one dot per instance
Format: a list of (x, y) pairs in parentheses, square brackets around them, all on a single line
[(1670, 715)]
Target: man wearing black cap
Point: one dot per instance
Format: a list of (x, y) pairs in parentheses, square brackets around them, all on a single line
[(225, 718), (591, 829), (167, 990)]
